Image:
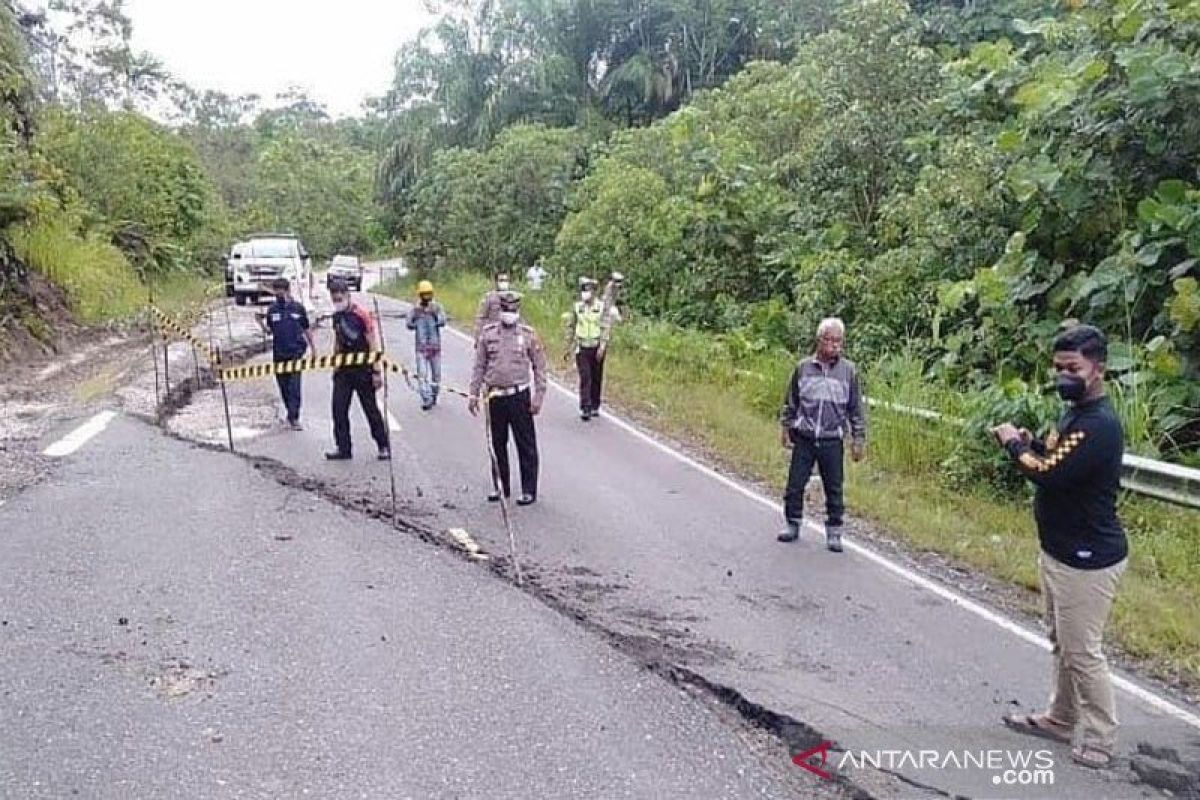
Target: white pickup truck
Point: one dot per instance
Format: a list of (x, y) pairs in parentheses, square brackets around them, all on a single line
[(257, 261)]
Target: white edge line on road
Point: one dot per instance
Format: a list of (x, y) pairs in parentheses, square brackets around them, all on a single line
[(1150, 698), (393, 423), (80, 436)]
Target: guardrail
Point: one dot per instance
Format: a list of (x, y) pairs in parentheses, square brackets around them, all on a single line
[(1172, 483)]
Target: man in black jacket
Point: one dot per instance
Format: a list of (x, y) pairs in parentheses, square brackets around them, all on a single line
[(823, 404), (1077, 471)]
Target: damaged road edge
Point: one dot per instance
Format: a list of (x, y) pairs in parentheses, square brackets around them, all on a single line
[(795, 735)]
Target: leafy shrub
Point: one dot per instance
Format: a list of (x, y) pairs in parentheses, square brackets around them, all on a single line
[(977, 461)]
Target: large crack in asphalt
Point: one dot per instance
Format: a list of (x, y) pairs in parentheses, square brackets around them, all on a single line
[(652, 654)]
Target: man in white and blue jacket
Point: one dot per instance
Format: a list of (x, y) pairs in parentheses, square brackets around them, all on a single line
[(823, 405)]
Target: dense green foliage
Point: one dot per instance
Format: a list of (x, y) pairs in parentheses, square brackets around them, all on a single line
[(498, 208), (137, 183), (102, 199), (953, 181)]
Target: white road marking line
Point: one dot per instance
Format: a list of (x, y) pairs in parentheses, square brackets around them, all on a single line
[(80, 436), (393, 423), (467, 543), (1145, 695)]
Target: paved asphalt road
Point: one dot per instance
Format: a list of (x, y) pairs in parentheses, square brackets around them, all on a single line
[(684, 568), (176, 624), (675, 566)]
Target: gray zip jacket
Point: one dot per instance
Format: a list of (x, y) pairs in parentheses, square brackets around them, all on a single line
[(823, 401)]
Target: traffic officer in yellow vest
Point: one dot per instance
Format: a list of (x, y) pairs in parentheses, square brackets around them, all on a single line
[(509, 357), (585, 325)]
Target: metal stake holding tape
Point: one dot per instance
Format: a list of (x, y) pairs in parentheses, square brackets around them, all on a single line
[(386, 406), (504, 512), (153, 348), (167, 366), (224, 399), (157, 380), (228, 324), (196, 364)]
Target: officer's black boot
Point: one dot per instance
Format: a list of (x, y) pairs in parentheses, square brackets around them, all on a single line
[(833, 538)]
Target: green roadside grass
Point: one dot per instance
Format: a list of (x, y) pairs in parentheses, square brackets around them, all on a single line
[(100, 284), (691, 388)]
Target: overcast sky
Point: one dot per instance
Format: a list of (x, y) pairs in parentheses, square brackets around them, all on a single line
[(340, 52)]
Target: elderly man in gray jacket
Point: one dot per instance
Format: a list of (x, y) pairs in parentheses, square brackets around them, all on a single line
[(823, 404)]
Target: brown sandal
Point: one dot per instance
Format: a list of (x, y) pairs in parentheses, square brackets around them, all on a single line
[(1036, 725), (1089, 755)]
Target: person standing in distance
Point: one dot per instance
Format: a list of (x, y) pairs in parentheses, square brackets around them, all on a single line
[(426, 319), (823, 404), (509, 357), (489, 307), (291, 338), (535, 276), (1084, 551), (354, 332)]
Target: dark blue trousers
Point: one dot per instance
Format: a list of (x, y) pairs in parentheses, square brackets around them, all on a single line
[(289, 390)]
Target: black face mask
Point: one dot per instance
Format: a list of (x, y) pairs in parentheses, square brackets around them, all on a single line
[(424, 301), (1071, 388)]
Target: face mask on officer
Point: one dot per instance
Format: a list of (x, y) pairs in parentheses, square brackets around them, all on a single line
[(502, 284), (340, 304), (509, 318), (587, 295)]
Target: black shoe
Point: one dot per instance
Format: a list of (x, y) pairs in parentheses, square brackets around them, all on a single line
[(791, 533), (833, 539), (337, 455), (526, 500), (385, 454), (494, 497), (585, 415), (295, 425)]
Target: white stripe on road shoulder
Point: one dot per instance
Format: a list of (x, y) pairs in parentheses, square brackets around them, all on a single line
[(1148, 697), (80, 436), (393, 423)]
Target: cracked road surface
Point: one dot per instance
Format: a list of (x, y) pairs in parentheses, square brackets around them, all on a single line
[(177, 623), (670, 566)]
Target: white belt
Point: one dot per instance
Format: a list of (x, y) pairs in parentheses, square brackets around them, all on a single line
[(509, 391)]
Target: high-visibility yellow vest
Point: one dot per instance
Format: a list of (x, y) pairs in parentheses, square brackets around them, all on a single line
[(587, 322)]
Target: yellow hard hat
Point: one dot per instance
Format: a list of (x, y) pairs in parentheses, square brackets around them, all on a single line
[(424, 287)]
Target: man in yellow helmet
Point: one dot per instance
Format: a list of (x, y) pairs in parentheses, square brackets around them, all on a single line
[(426, 320)]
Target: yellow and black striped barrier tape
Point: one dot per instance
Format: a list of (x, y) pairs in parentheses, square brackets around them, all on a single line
[(167, 325), (410, 376), (316, 363), (256, 371)]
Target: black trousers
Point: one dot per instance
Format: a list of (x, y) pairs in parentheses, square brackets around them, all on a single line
[(346, 384), (591, 377), (289, 390), (513, 412), (828, 456)]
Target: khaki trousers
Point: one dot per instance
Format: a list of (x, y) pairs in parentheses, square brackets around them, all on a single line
[(1078, 602)]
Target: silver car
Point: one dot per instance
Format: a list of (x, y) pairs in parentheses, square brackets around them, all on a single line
[(349, 269)]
